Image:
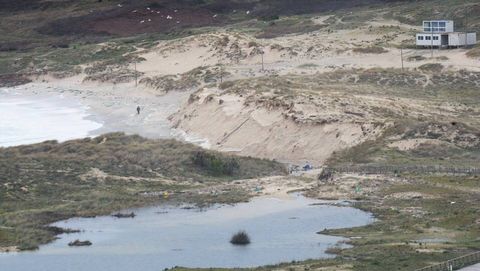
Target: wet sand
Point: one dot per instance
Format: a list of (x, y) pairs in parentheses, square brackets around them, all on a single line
[(112, 108)]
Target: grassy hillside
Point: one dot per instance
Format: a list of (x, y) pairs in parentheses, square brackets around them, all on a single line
[(57, 23), (46, 182), (57, 36)]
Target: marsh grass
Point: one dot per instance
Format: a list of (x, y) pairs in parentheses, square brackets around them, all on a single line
[(47, 182)]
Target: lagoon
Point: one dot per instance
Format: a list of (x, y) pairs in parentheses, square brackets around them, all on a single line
[(281, 230)]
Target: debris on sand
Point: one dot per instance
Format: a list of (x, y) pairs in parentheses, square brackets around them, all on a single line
[(78, 243), (121, 215)]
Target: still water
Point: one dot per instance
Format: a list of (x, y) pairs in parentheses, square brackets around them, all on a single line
[(281, 230)]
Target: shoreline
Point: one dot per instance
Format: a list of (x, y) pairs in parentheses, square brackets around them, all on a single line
[(114, 106), (35, 118), (178, 204), (265, 207)]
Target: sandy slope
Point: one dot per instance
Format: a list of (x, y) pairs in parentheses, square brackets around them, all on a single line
[(321, 51), (226, 122), (231, 125)]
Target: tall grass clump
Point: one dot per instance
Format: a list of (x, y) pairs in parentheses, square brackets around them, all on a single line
[(240, 238), (215, 164), (370, 50)]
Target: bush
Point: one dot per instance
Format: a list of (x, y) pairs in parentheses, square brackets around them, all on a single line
[(370, 50), (252, 44), (475, 52), (240, 238), (216, 164), (270, 17), (226, 85), (416, 58), (431, 67)]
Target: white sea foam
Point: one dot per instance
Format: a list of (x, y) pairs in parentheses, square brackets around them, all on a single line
[(33, 119)]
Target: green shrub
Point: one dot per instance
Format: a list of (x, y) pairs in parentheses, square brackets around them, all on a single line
[(240, 238), (370, 50), (216, 164), (416, 58), (431, 67), (226, 85), (475, 52)]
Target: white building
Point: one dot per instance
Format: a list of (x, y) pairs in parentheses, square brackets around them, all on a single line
[(441, 33)]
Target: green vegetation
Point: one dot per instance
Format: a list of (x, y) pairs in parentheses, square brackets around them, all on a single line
[(215, 164), (285, 26), (421, 218), (431, 67), (474, 52), (47, 182), (308, 66), (370, 50), (428, 219), (440, 144), (57, 37)]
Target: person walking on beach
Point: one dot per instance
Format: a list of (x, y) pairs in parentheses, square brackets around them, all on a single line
[(138, 110)]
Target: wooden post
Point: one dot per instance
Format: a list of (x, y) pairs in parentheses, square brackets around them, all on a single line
[(263, 67), (431, 39), (401, 56), (136, 75), (221, 73), (401, 50), (466, 24)]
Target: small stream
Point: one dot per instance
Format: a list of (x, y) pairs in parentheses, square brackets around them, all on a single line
[(281, 230)]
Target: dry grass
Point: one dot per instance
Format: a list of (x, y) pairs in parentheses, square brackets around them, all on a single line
[(474, 52), (370, 50), (47, 182)]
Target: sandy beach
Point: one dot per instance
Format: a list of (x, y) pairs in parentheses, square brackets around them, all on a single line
[(173, 70), (108, 108)]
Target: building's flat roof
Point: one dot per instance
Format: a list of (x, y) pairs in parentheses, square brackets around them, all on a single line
[(445, 33)]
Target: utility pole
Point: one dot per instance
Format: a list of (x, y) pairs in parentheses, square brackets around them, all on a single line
[(401, 55), (466, 23), (263, 67), (401, 52), (136, 75), (431, 38), (221, 73)]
